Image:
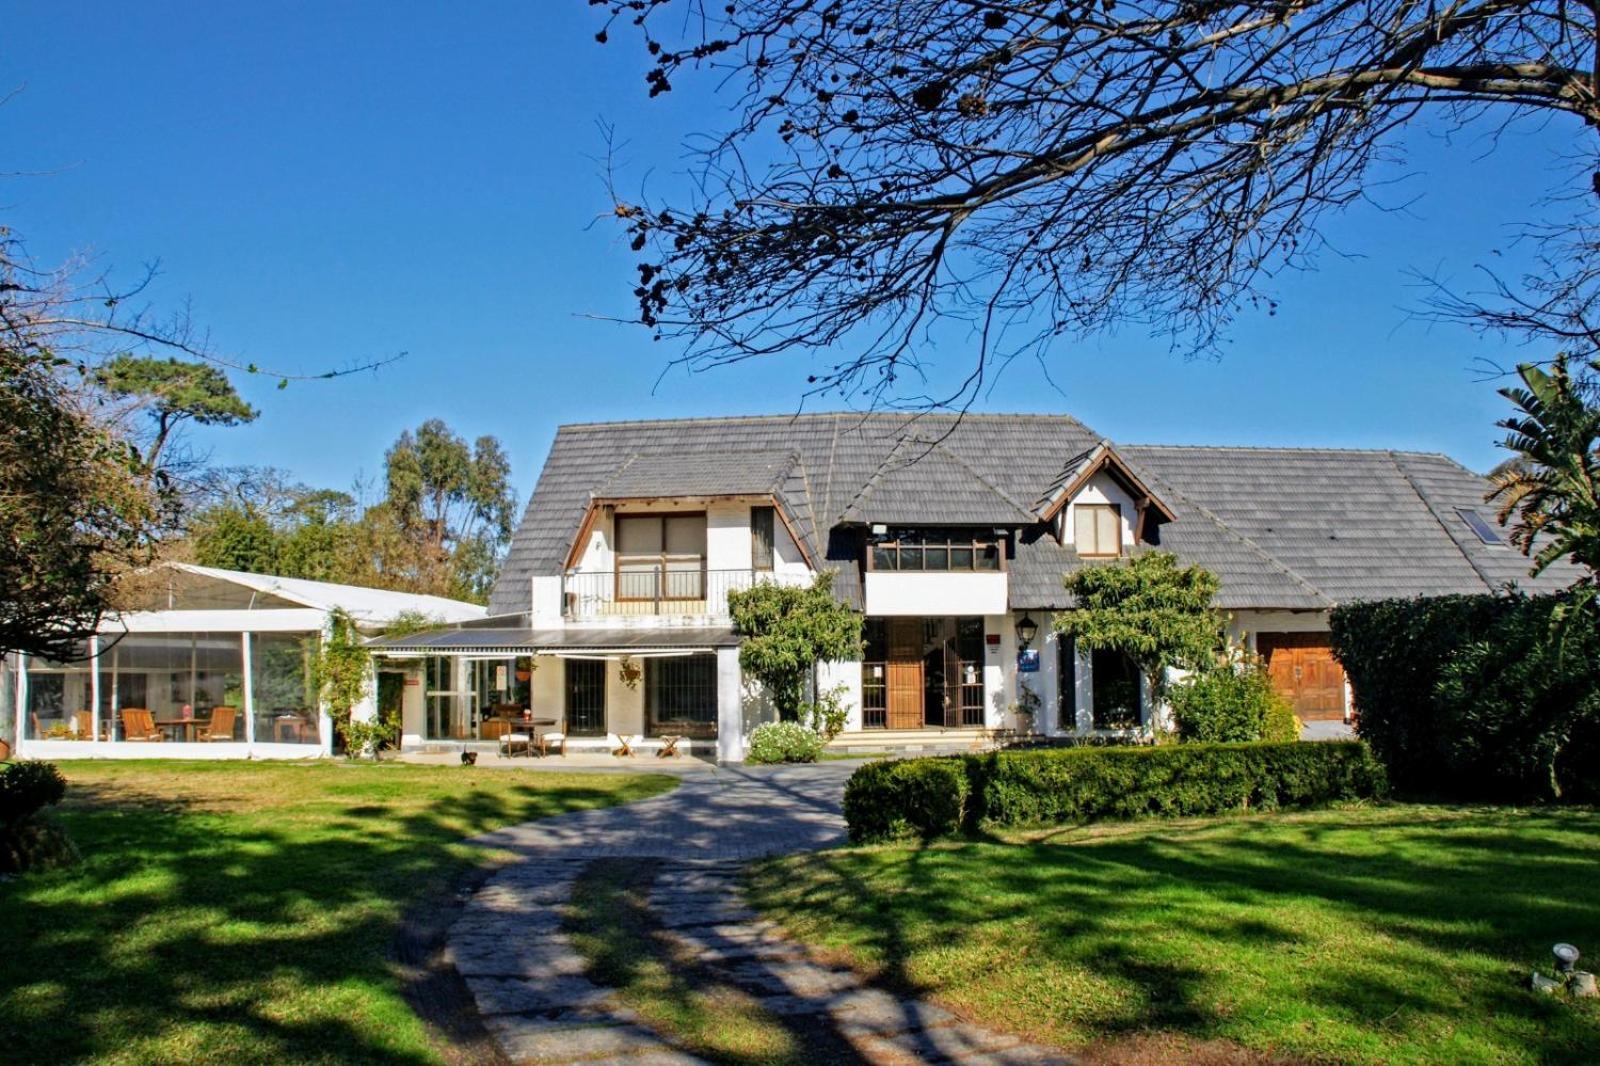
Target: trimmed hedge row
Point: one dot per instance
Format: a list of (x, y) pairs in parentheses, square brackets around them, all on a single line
[(940, 796)]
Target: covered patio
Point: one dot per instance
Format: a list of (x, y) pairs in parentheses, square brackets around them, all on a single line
[(467, 687)]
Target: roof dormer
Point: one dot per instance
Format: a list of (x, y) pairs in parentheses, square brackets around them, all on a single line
[(1100, 506)]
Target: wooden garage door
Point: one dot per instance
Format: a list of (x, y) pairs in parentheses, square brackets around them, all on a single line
[(1304, 670)]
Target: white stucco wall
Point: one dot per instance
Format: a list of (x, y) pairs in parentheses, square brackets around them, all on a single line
[(891, 593)]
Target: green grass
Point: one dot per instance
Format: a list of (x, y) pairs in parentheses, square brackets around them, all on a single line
[(1392, 934), (243, 912)]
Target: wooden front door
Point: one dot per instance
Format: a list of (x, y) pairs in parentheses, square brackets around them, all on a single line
[(1305, 672), (905, 696)]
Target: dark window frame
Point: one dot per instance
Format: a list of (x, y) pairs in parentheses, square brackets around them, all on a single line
[(763, 538), (700, 691), (910, 550)]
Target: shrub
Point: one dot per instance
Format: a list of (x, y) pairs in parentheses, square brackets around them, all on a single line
[(906, 798), (934, 797), (1476, 697), (1283, 725), (1228, 706), (774, 742), (829, 713), (28, 787), (29, 840)]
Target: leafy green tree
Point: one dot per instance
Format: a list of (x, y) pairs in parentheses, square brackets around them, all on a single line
[(1149, 608), (77, 507), (175, 392), (455, 502), (1552, 487), (237, 537), (788, 630)]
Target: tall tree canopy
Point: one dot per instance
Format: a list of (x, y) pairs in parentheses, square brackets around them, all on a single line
[(440, 528), (173, 392), (1040, 167)]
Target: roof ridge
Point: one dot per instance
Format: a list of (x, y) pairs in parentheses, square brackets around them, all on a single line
[(799, 416), (1303, 448), (1428, 505)]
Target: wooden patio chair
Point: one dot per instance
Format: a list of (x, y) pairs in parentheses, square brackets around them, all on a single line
[(83, 726), (556, 736), (624, 746), (669, 746), (221, 725), (139, 724)]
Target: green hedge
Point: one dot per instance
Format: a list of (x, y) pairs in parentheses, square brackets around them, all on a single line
[(940, 796), (1476, 697)]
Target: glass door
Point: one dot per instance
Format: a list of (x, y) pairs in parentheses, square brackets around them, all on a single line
[(586, 697)]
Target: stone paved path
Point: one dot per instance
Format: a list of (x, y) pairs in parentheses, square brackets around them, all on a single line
[(529, 982)]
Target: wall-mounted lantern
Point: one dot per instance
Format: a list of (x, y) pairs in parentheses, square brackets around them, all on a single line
[(1027, 629)]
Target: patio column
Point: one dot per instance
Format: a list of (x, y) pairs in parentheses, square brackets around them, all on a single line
[(247, 665), (730, 706)]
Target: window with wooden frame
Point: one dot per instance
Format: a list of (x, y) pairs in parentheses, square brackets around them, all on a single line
[(661, 557), (1097, 529), (936, 549), (761, 533)]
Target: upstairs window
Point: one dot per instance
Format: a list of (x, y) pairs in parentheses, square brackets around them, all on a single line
[(761, 538), (661, 557), (936, 549), (1097, 529)]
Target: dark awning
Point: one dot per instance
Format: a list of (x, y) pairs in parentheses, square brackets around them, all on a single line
[(587, 640)]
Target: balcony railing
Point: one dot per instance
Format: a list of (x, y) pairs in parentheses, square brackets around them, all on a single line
[(665, 590)]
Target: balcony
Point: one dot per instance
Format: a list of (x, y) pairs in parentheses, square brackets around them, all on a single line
[(661, 590)]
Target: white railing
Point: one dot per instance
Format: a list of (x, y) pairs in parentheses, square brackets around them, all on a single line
[(653, 590)]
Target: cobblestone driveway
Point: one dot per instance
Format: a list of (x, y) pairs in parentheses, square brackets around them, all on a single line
[(530, 985)]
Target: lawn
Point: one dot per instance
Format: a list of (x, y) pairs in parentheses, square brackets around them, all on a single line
[(244, 912), (1389, 934)]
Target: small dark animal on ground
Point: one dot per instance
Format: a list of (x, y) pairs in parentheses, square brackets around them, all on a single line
[(469, 758)]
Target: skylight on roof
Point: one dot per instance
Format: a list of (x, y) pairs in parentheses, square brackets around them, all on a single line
[(1481, 524)]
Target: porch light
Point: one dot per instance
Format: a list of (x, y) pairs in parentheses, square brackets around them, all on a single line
[(1566, 957), (1027, 629)]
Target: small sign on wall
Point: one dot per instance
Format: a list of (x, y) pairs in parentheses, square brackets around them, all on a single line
[(1028, 661)]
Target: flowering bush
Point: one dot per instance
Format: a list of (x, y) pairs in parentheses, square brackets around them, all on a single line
[(774, 742)]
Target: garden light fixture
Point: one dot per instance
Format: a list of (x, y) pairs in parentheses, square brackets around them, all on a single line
[(1027, 629)]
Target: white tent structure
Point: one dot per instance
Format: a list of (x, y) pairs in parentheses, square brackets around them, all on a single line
[(214, 664)]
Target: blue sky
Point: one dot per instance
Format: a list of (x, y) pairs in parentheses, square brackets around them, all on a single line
[(328, 183)]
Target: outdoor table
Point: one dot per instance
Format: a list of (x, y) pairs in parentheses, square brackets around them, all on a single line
[(669, 746), (290, 730), (626, 749), (186, 725)]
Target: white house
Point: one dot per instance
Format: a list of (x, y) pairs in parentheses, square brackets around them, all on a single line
[(215, 664), (951, 536)]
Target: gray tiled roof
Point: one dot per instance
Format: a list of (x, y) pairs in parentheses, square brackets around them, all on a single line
[(1284, 528), (674, 474), (839, 453)]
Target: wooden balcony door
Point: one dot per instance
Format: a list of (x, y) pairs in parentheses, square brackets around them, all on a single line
[(905, 695)]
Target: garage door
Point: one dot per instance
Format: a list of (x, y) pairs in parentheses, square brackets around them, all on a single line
[(1304, 670)]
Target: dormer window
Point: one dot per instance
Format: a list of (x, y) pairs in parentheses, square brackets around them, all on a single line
[(935, 549), (1097, 530)]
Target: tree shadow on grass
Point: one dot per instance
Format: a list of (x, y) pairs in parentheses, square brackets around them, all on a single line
[(1357, 947), (192, 933)]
